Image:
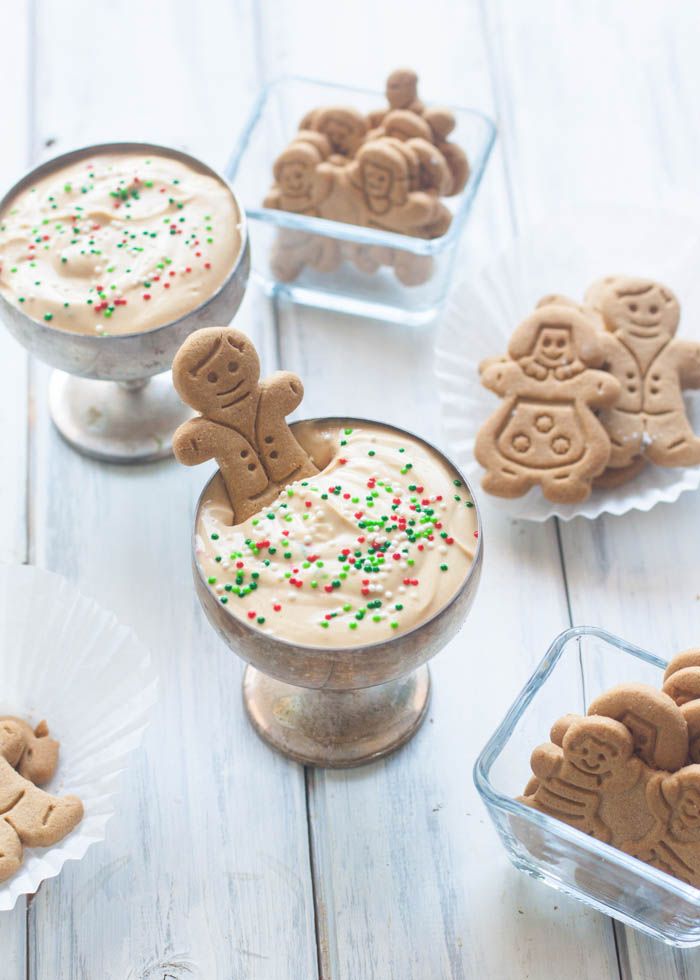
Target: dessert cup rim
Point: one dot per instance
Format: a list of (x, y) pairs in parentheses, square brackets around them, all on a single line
[(354, 649), (126, 146)]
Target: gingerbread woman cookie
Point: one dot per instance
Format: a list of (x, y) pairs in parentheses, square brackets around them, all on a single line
[(649, 418), (243, 420), (30, 817), (546, 432)]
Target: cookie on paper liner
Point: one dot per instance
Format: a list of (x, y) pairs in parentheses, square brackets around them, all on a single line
[(65, 659), (484, 309)]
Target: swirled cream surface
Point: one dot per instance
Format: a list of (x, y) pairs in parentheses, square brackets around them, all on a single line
[(117, 243), (373, 546)]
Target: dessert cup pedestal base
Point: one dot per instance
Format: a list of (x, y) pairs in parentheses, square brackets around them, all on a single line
[(336, 729), (119, 422)]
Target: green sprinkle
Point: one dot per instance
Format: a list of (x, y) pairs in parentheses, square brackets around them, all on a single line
[(324, 625), (443, 568), (212, 580), (261, 620), (215, 537), (352, 626), (48, 316)]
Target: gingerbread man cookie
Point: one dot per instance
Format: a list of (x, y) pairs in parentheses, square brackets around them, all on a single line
[(30, 817), (36, 752), (546, 431), (595, 757), (243, 420), (649, 418)]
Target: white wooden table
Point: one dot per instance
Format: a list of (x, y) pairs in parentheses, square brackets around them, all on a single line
[(227, 861)]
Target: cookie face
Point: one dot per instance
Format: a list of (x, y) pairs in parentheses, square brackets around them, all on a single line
[(402, 88), (657, 724), (216, 371), (598, 746), (343, 127), (640, 309)]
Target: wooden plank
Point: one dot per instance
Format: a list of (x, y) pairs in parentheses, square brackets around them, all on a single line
[(17, 66), (410, 880), (205, 870), (624, 76)]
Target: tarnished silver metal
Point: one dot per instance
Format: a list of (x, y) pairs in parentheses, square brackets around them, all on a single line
[(124, 434), (339, 707)]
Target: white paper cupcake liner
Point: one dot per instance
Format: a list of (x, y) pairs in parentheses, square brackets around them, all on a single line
[(563, 255), (65, 659)]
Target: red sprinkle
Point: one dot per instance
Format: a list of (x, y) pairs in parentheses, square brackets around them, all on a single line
[(251, 614), (239, 564), (207, 265), (328, 588), (308, 503), (146, 295), (277, 607)]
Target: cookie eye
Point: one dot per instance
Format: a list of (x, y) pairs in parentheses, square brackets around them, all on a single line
[(233, 366), (212, 376), (546, 342), (653, 309), (632, 307), (561, 342)]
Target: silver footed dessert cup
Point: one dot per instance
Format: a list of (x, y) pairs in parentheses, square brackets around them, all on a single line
[(330, 706), (109, 396)]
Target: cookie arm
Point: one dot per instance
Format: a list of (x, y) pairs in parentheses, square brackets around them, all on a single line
[(602, 388), (501, 376), (688, 359), (282, 456), (273, 199), (194, 441), (546, 760)]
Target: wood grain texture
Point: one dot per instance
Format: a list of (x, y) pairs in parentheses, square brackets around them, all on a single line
[(205, 871), (624, 76), (410, 879), (15, 73)]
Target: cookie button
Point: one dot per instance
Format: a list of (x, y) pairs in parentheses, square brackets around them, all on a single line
[(521, 443)]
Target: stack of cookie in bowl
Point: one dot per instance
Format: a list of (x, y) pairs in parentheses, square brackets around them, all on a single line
[(628, 773), (387, 170), (592, 393)]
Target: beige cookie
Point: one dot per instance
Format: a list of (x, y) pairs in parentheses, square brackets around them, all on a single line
[(343, 127), (649, 418), (687, 658), (38, 759), (546, 433), (30, 817), (683, 685), (691, 713), (243, 420), (673, 843), (657, 724), (298, 185), (613, 477)]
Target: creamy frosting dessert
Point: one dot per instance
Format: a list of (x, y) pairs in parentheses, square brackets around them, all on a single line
[(117, 243), (374, 545)]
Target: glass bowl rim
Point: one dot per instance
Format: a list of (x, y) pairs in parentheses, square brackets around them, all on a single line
[(549, 825)]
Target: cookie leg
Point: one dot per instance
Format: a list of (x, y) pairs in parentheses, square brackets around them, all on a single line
[(10, 850), (673, 442), (504, 482), (626, 432), (565, 487), (41, 820)]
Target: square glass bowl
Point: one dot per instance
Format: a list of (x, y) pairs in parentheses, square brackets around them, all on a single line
[(580, 664), (270, 128)]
